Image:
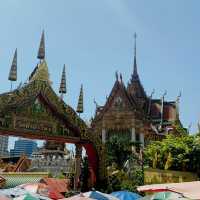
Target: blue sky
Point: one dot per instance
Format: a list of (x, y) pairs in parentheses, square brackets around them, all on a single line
[(95, 38)]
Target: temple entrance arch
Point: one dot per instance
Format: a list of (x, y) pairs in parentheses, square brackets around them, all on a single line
[(35, 111)]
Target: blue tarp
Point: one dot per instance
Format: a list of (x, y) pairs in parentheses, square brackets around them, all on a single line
[(99, 195), (126, 195)]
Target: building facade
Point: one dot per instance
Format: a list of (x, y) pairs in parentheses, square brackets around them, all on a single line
[(53, 158), (130, 112), (23, 147), (3, 146)]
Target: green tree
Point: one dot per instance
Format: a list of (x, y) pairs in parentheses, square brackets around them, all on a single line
[(118, 150), (175, 152), (125, 171)]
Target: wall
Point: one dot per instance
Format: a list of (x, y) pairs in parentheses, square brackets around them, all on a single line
[(153, 176)]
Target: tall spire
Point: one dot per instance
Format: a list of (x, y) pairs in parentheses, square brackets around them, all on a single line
[(41, 51), (135, 73), (80, 101), (63, 89), (13, 70)]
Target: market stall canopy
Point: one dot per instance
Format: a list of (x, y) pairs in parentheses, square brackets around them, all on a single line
[(126, 195), (99, 195), (187, 189), (78, 197)]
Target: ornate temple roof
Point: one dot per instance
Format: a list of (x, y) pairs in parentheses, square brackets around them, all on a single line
[(38, 90), (40, 73), (118, 93), (155, 111)]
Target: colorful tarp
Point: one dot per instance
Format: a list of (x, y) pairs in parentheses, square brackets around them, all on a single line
[(190, 190), (99, 195), (126, 195), (78, 197)]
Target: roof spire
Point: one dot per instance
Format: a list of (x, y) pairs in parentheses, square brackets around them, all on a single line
[(135, 74), (116, 75), (41, 51), (121, 77), (13, 69), (63, 89), (80, 101)]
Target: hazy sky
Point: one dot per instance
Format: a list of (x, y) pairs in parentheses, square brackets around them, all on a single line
[(95, 38)]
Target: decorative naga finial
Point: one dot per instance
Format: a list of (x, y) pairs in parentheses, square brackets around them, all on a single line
[(116, 75), (95, 102), (13, 70), (150, 99), (80, 101), (63, 89), (164, 94), (41, 51), (178, 97), (162, 108), (152, 93), (177, 105), (120, 76)]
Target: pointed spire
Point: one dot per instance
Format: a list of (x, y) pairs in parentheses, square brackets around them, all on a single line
[(177, 105), (13, 69), (41, 51), (80, 101), (63, 89), (135, 73), (116, 75), (121, 77)]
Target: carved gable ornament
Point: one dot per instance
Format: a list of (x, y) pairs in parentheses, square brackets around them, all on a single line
[(118, 103)]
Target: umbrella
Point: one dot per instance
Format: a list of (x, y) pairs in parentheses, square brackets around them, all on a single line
[(164, 196), (78, 197), (13, 192), (99, 195), (26, 197), (126, 195), (147, 197)]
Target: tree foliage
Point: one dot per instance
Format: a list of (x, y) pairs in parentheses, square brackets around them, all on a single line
[(175, 153), (124, 168), (118, 150)]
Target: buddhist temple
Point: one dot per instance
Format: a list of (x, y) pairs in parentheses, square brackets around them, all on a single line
[(129, 111)]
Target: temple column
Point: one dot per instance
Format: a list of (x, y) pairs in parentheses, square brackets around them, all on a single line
[(142, 139), (103, 135), (78, 157), (133, 138)]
